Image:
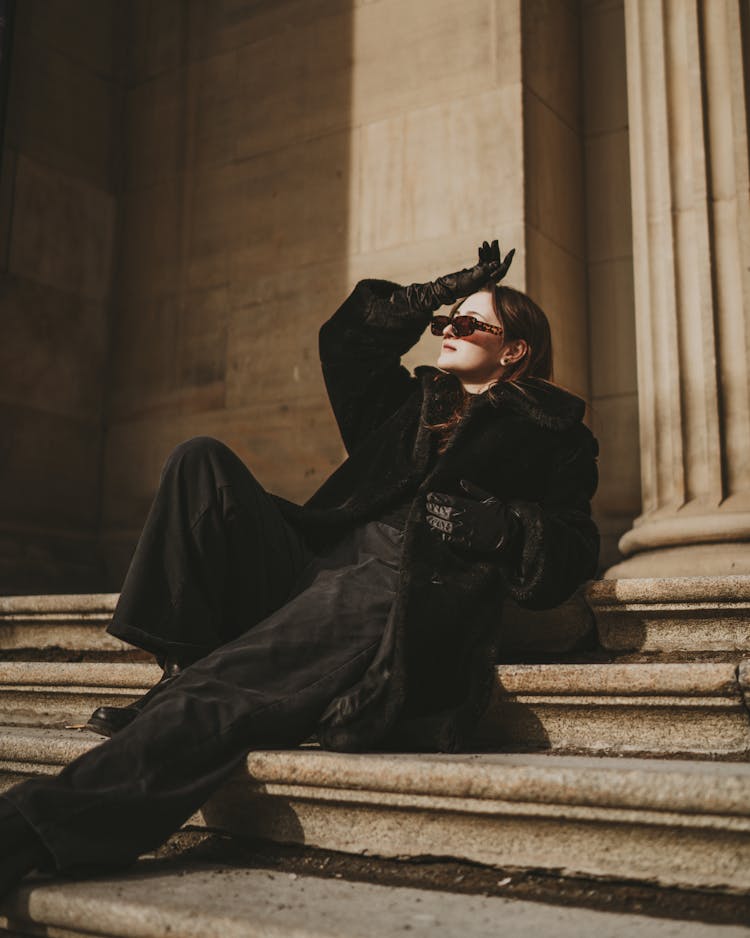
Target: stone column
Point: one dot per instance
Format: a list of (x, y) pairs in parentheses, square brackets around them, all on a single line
[(687, 108)]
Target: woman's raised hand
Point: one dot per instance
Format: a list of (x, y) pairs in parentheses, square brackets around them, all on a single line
[(427, 297), (490, 254)]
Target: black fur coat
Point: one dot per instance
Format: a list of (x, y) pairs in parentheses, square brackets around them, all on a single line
[(433, 674)]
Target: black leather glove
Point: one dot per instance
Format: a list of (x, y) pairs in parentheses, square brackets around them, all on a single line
[(481, 523), (427, 297)]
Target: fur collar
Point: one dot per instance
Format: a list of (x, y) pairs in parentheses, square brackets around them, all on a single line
[(542, 402)]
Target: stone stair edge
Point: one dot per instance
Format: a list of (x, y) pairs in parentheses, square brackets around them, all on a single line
[(710, 590), (206, 900), (689, 786), (136, 675), (57, 603), (686, 588), (641, 678)]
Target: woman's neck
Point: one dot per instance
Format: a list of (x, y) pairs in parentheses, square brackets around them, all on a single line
[(478, 388)]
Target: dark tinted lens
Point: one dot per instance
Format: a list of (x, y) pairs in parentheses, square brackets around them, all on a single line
[(438, 323), (463, 325)]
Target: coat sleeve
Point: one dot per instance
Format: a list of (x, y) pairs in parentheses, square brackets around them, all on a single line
[(360, 351), (557, 548)]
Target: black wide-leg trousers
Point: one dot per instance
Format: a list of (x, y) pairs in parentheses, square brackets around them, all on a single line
[(274, 631)]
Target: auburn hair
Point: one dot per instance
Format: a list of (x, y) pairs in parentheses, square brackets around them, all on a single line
[(520, 318)]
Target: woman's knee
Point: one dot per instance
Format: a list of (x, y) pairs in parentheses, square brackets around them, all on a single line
[(198, 449)]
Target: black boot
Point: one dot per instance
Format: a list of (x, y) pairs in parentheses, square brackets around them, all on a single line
[(21, 851), (106, 721)]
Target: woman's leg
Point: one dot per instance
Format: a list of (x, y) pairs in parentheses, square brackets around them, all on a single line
[(268, 687), (215, 557)]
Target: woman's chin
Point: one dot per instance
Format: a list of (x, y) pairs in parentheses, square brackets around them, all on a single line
[(444, 363)]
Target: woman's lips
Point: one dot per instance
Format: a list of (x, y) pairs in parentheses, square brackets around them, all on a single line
[(446, 345)]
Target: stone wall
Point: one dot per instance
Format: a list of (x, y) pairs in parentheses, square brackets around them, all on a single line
[(57, 224), (236, 212)]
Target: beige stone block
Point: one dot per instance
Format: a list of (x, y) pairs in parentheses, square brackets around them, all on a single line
[(272, 341), (53, 349), (294, 85), (552, 56), (557, 282), (554, 176), (605, 94), (49, 471), (184, 119), (464, 165), (153, 130), (382, 184), (508, 48), (608, 218), (84, 31), (612, 319), (614, 421), (154, 38), (201, 350), (45, 560), (154, 228), (60, 113), (414, 55), (62, 231), (220, 25), (214, 102), (169, 353), (294, 203), (447, 169), (143, 362), (134, 455)]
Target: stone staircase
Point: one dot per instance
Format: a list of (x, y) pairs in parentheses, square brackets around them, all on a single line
[(615, 745)]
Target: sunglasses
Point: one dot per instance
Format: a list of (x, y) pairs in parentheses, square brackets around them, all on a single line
[(462, 325)]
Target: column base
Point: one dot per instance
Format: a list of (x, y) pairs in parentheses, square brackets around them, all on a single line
[(689, 560)]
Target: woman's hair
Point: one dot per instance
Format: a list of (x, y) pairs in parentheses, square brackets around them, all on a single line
[(520, 318)]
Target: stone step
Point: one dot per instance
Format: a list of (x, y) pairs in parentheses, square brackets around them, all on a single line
[(212, 901), (676, 616), (668, 822), (47, 693), (677, 709), (75, 622), (671, 709)]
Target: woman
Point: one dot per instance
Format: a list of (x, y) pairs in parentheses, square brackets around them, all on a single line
[(369, 615)]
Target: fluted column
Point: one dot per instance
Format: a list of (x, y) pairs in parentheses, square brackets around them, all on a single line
[(688, 117)]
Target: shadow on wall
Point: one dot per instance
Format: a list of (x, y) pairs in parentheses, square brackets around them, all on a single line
[(233, 245)]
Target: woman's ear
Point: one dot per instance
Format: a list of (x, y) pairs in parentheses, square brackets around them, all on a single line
[(514, 352)]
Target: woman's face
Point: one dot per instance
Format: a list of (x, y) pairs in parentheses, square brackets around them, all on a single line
[(475, 359)]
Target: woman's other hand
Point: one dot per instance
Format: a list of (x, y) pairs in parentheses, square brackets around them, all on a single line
[(427, 297), (480, 523)]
